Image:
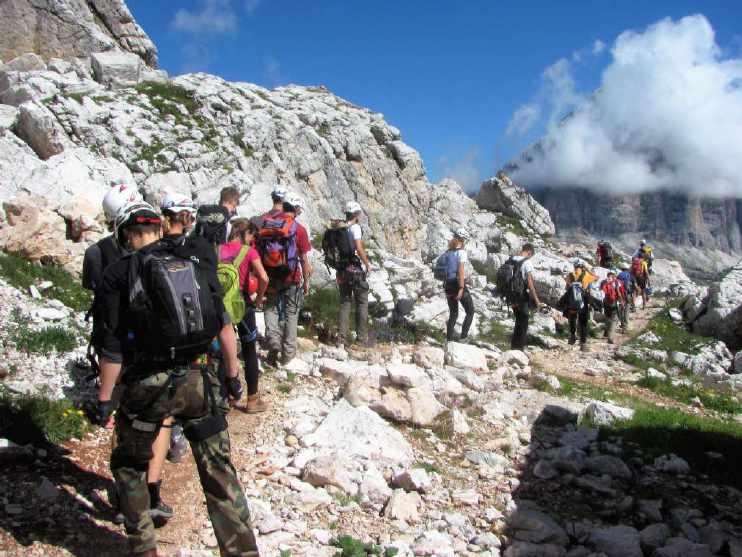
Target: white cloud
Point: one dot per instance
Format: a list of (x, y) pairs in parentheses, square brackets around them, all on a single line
[(215, 16), (464, 170), (598, 47), (272, 69), (523, 119), (667, 115)]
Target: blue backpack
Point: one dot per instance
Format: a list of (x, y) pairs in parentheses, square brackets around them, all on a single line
[(446, 266)]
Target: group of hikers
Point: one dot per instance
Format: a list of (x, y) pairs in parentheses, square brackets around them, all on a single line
[(615, 295), (175, 292)]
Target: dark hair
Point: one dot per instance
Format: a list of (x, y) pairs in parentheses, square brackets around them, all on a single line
[(140, 230), (240, 227), (230, 194), (528, 246), (288, 208), (277, 199)]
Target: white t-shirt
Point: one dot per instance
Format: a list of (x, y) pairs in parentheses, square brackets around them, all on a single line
[(526, 267), (355, 231), (463, 256)]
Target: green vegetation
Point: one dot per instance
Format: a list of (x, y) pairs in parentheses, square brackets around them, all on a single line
[(487, 270), (343, 499), (54, 420), (247, 149), (166, 97), (352, 547), (151, 152), (22, 274), (719, 402), (672, 336), (498, 334), (324, 129), (429, 468), (77, 97), (443, 426), (323, 304), (513, 224), (44, 340)]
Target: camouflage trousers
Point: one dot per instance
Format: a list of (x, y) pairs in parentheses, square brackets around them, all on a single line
[(193, 397)]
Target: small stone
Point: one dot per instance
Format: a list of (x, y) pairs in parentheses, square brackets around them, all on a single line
[(672, 464), (292, 441), (465, 496), (415, 479), (403, 506)]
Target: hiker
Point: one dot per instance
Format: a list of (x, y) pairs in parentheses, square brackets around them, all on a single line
[(98, 257), (283, 245), (576, 302), (629, 285), (212, 221), (515, 284), (604, 254), (160, 361), (645, 251), (352, 277), (451, 269), (614, 297), (251, 286), (640, 272), (178, 213)]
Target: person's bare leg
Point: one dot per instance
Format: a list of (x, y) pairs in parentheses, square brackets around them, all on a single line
[(159, 452)]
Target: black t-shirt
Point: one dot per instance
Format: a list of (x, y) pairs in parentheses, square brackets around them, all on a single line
[(97, 258), (113, 295)]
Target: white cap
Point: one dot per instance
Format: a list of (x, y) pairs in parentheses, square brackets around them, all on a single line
[(353, 207), (462, 234), (120, 195), (177, 202), (293, 199), (643, 242), (279, 192)]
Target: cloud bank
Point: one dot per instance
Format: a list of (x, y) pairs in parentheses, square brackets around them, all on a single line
[(667, 115), (215, 16)]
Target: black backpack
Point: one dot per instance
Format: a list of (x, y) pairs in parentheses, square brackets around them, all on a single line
[(172, 305), (575, 297), (510, 282), (211, 224), (607, 252), (339, 248)]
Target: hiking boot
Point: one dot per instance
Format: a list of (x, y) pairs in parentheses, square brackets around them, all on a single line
[(610, 340), (583, 347), (161, 512), (572, 339), (255, 404), (271, 360), (113, 500)]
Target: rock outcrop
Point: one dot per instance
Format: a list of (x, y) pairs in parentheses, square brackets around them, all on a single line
[(719, 313), (70, 29), (502, 195)]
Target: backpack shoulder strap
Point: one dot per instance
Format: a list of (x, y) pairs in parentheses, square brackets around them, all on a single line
[(237, 261)]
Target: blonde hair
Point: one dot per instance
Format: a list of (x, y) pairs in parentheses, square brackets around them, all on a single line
[(455, 243)]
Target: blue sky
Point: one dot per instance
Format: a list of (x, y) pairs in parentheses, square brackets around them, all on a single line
[(450, 75)]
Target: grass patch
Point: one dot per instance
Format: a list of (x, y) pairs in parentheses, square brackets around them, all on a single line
[(352, 547), (719, 402), (498, 334), (247, 150), (428, 467), (22, 274), (513, 225), (324, 129), (443, 426), (43, 341), (284, 388), (343, 499), (672, 336), (324, 305), (166, 96), (39, 419), (487, 270), (639, 362), (151, 152)]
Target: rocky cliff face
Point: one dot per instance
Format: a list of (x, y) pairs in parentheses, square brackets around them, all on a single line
[(71, 28), (662, 216)]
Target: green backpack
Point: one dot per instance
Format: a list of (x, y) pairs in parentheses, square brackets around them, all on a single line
[(228, 273)]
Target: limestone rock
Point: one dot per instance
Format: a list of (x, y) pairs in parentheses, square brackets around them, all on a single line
[(393, 405), (27, 62), (434, 543), (610, 465), (604, 413), (681, 547), (70, 28), (537, 527), (427, 356), (407, 375), (672, 464), (424, 407), (414, 479), (8, 117), (465, 356), (617, 541), (502, 195), (330, 469), (654, 536), (116, 69), (38, 127), (527, 549), (403, 506), (721, 313)]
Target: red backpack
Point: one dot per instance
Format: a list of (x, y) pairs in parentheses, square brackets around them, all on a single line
[(637, 267), (610, 289), (276, 244)]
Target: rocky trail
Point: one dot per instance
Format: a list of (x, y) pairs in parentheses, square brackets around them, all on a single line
[(412, 449)]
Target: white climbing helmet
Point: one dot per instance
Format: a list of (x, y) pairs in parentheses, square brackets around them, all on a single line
[(138, 212), (462, 234), (294, 200), (279, 192), (120, 195), (643, 243), (353, 207), (177, 202), (577, 263)]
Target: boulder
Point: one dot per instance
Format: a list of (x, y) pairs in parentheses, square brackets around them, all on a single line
[(609, 465), (330, 469), (500, 194), (414, 479), (654, 536), (672, 464), (681, 547), (38, 127), (617, 541), (527, 549), (536, 527), (604, 413), (116, 69), (434, 543), (465, 356), (393, 405), (27, 62), (8, 117), (360, 432), (403, 506), (374, 487), (424, 407), (429, 357), (407, 375), (721, 312)]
